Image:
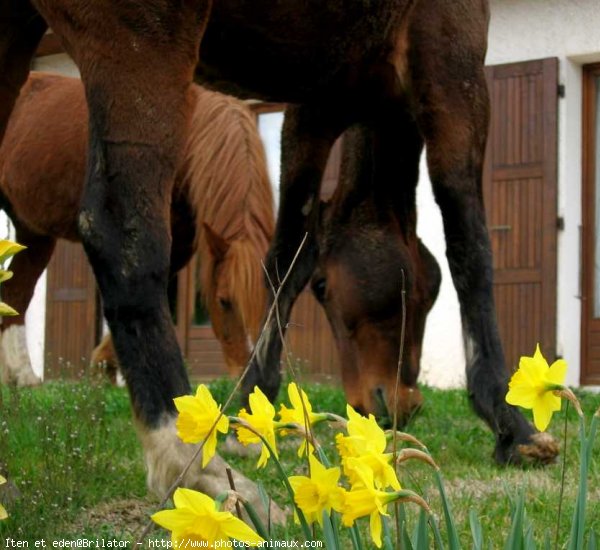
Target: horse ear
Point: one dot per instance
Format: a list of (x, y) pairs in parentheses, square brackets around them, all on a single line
[(217, 244)]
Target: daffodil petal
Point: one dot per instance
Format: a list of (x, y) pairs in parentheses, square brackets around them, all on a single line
[(375, 527), (520, 396), (542, 415), (194, 500), (237, 529), (551, 401), (3, 514), (174, 520), (209, 449), (8, 249), (7, 311), (557, 372)]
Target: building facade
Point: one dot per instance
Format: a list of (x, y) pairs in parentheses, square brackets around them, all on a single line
[(543, 69)]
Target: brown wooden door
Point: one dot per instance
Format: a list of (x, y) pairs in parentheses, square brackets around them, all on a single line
[(71, 311), (200, 347), (520, 193), (590, 303)]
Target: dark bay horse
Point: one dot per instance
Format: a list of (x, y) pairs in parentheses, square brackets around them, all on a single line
[(338, 63)]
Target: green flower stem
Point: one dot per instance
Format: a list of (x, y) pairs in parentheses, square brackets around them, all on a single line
[(282, 474), (562, 479), (576, 541), (330, 534), (453, 540), (255, 519)]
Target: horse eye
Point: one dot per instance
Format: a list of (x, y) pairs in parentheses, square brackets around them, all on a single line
[(225, 304), (319, 287)]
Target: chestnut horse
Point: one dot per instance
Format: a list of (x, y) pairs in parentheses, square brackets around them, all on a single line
[(338, 63)]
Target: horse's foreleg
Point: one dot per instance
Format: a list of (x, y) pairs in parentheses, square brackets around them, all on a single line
[(138, 86), (454, 122), (27, 266), (21, 29), (307, 137)]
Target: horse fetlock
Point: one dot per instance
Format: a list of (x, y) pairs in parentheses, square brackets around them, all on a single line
[(166, 457), (14, 358)]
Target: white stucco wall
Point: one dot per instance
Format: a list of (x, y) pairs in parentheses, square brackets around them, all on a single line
[(522, 30)]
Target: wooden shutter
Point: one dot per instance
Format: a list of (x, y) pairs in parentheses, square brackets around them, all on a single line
[(590, 321), (520, 193)]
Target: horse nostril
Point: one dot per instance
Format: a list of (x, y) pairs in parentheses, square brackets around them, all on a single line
[(319, 287)]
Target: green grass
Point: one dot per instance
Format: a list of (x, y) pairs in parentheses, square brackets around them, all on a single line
[(72, 452)]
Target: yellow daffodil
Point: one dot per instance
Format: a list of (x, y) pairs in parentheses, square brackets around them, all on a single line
[(261, 418), (296, 415), (366, 500), (532, 385), (319, 492), (197, 414), (6, 310), (366, 442), (8, 249), (197, 519), (3, 514), (300, 403)]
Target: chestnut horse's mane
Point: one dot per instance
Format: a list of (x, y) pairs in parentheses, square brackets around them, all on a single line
[(223, 146)]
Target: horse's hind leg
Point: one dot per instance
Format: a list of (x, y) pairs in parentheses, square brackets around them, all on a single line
[(27, 267), (453, 116), (21, 29), (307, 137)]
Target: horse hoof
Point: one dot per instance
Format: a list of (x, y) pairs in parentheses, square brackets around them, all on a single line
[(542, 449), (28, 379), (167, 456), (15, 358), (539, 448)]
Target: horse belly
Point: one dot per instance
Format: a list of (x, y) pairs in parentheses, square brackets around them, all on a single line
[(291, 51)]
